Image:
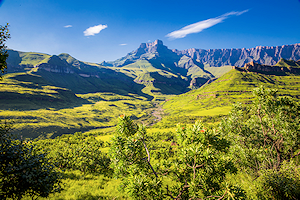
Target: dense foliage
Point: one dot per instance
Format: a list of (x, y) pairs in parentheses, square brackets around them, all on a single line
[(265, 142), (252, 154), (23, 171), (195, 168)]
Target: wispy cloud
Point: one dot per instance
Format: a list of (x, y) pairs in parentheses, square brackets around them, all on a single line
[(94, 30), (68, 26), (123, 44), (200, 26)]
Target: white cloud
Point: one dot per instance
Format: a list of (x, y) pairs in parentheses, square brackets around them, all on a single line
[(68, 26), (94, 30), (123, 44), (200, 26)]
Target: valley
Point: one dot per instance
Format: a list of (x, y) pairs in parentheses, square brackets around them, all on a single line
[(53, 95), (70, 109)]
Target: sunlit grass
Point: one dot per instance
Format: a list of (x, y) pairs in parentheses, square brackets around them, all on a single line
[(234, 86), (77, 186)]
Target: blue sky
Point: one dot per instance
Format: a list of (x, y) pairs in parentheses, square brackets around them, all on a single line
[(98, 30)]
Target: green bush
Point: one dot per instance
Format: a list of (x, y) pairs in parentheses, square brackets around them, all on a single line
[(23, 171), (193, 166)]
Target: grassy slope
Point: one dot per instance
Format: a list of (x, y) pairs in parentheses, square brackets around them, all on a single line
[(157, 82), (42, 110), (45, 123), (26, 58), (235, 86), (26, 91)]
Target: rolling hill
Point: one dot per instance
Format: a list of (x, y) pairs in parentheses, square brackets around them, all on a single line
[(217, 97)]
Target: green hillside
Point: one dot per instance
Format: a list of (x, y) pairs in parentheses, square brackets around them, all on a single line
[(288, 63), (217, 97), (26, 91), (40, 109)]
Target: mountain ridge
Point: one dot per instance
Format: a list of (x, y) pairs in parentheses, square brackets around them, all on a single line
[(214, 57), (238, 57), (152, 69)]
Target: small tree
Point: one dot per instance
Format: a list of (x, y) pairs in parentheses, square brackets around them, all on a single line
[(4, 35), (22, 170), (195, 169)]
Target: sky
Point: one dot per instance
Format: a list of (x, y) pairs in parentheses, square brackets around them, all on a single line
[(105, 30)]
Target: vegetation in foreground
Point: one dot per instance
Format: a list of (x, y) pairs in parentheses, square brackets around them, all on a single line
[(252, 154)]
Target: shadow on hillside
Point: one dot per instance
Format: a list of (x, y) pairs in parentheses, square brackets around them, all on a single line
[(34, 101), (169, 85), (47, 90), (106, 80)]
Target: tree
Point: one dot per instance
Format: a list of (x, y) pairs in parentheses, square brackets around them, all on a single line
[(265, 139), (193, 167), (23, 171), (4, 35)]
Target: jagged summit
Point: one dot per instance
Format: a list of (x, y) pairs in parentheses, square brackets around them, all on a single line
[(239, 57), (148, 51), (151, 44), (151, 47)]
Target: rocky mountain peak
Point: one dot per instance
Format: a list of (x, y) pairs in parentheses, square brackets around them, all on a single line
[(151, 47)]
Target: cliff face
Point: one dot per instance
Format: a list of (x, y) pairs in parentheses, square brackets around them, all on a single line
[(266, 68), (239, 57), (214, 57)]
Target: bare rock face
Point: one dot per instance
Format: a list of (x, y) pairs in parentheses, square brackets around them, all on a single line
[(239, 57), (214, 57), (255, 67)]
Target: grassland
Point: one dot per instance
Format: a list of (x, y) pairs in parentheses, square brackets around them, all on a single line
[(45, 123), (41, 110), (216, 98)]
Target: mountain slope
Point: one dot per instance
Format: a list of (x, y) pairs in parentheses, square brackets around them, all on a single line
[(194, 63), (67, 72), (236, 85), (27, 91), (152, 70)]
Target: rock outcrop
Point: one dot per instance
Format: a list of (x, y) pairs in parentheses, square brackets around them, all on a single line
[(255, 67), (239, 57)]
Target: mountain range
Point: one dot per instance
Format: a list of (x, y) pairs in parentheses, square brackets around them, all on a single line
[(151, 70), (212, 57), (57, 94)]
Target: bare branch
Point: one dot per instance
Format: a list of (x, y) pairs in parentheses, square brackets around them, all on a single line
[(296, 155)]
